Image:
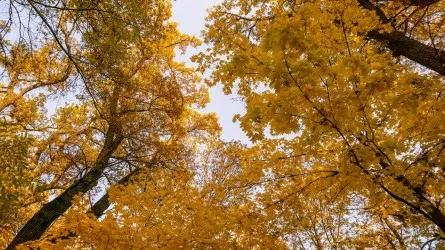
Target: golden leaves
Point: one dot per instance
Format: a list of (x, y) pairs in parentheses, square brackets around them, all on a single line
[(359, 162), (356, 110)]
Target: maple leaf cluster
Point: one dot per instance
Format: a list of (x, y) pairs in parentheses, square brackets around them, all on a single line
[(102, 145)]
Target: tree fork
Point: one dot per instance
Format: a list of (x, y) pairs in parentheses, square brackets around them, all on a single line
[(52, 210), (401, 45)]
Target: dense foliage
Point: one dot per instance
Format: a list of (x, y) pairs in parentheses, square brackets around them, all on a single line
[(101, 146)]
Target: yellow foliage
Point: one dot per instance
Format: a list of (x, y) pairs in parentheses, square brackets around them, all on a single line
[(349, 137)]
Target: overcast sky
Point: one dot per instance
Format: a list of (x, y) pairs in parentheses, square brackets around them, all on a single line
[(190, 15)]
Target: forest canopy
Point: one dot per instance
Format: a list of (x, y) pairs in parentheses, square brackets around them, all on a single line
[(103, 144)]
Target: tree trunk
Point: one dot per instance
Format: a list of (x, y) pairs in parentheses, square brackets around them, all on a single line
[(401, 45), (43, 219)]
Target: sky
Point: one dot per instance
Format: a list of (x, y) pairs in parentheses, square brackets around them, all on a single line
[(190, 15)]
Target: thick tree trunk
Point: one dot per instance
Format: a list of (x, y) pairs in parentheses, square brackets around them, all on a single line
[(98, 208), (43, 219), (401, 45)]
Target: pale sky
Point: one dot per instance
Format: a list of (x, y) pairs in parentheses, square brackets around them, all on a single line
[(190, 15)]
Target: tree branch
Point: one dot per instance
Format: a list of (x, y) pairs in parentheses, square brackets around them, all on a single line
[(43, 219), (103, 203), (401, 45)]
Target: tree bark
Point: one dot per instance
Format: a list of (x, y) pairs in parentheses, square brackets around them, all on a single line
[(103, 203), (402, 45), (98, 208), (414, 50), (43, 219)]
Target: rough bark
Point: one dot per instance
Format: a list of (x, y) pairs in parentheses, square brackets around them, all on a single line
[(402, 45), (43, 219), (97, 209)]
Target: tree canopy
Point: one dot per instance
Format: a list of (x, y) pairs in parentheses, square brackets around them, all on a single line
[(102, 144)]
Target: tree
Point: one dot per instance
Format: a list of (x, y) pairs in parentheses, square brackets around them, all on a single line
[(353, 90), (188, 207), (130, 105), (363, 162)]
